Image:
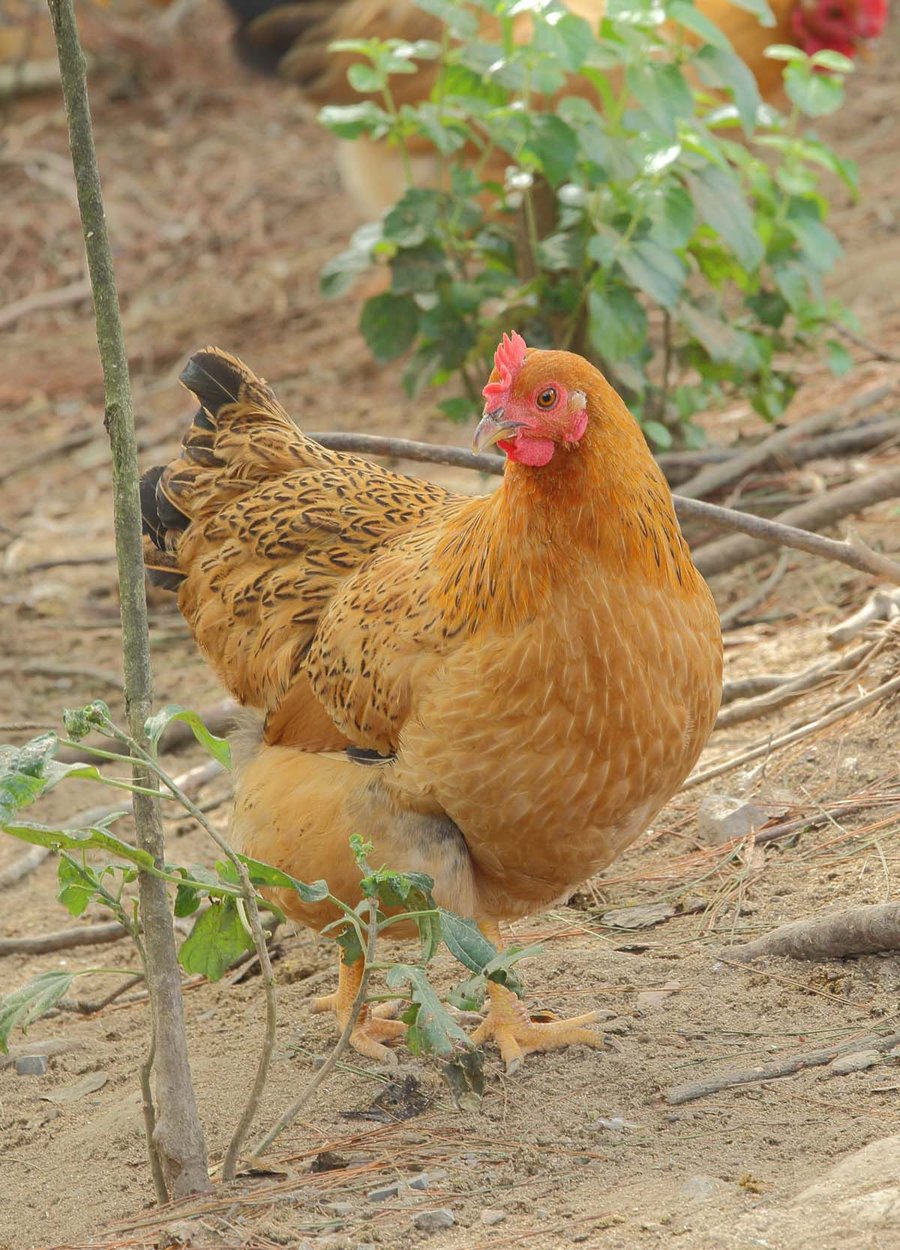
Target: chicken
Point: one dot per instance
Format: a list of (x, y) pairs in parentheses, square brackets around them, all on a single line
[(500, 691), (293, 39)]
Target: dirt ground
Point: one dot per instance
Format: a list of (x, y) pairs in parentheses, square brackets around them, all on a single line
[(223, 203)]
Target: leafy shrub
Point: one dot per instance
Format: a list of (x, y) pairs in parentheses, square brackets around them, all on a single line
[(686, 241)]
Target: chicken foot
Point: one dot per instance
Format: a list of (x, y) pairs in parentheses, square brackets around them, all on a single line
[(372, 1029), (516, 1035)]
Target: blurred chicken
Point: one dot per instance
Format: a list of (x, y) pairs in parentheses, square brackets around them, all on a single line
[(500, 691), (293, 39)]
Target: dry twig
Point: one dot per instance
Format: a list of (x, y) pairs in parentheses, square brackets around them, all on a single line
[(793, 528), (883, 605), (64, 939), (793, 687), (772, 1071), (856, 931), (716, 476), (42, 301), (774, 744)]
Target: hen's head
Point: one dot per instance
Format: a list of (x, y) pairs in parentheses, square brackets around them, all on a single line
[(837, 25), (534, 403)]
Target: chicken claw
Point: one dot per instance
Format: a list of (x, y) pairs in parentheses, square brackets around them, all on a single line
[(372, 1028), (517, 1035)]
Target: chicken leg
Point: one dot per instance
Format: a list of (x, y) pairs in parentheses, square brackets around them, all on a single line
[(371, 1030), (508, 1024)]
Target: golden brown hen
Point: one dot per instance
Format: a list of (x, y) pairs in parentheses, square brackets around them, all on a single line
[(537, 669), (294, 38)]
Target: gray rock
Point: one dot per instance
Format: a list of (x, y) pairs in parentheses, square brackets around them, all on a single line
[(338, 1208), (722, 817), (31, 1065), (491, 1216), (384, 1192), (434, 1221), (702, 1188)]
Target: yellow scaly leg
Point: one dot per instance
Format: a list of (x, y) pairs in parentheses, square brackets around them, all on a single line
[(371, 1030), (508, 1024)]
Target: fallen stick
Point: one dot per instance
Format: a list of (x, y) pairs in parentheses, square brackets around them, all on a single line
[(787, 1067), (774, 744), (793, 688), (829, 815), (64, 939), (709, 559), (717, 476), (42, 301), (792, 528), (883, 605), (749, 687), (856, 931), (27, 78)]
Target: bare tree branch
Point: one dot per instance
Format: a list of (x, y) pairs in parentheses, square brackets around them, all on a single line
[(176, 1144)]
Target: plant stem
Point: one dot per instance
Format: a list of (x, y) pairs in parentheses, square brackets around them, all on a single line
[(248, 894), (177, 1137), (328, 1066)]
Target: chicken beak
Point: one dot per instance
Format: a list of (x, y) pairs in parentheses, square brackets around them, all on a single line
[(492, 428)]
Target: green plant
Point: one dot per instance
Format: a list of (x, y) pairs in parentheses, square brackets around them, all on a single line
[(99, 866), (671, 227)]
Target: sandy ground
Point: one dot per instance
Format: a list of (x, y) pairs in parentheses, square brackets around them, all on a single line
[(223, 203)]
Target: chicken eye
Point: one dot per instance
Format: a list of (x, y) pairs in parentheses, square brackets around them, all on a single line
[(547, 397)]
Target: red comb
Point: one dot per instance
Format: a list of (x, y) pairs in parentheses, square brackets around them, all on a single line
[(508, 360)]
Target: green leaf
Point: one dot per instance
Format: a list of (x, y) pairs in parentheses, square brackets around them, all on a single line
[(431, 1027), (339, 274), (459, 20), (217, 939), (364, 78), (724, 344), (351, 948), (418, 270), (554, 145), (759, 8), (720, 67), (218, 748), (469, 995), (349, 121), (785, 52), (658, 434), (840, 361), (77, 886), (264, 874), (23, 1006), (561, 251), (96, 838), (79, 722), (466, 942), (663, 92), (819, 245), (654, 270), (414, 218), (618, 323), (187, 900), (718, 198), (687, 15), (828, 58), (389, 323), (459, 410), (815, 94), (464, 1074), (673, 216)]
